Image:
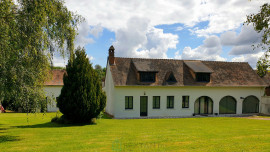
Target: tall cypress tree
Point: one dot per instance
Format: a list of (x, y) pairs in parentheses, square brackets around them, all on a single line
[(81, 97)]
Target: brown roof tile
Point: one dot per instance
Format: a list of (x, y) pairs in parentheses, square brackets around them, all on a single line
[(57, 78), (266, 78), (198, 66), (125, 72)]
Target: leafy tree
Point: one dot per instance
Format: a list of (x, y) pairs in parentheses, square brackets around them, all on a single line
[(261, 23), (98, 67), (30, 32), (81, 97), (100, 71)]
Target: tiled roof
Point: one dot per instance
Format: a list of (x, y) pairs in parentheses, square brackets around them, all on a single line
[(266, 78), (198, 66), (56, 79), (125, 72)]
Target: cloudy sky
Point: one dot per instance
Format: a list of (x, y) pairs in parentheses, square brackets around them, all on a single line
[(175, 29)]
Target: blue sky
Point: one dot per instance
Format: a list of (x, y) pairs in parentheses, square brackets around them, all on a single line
[(187, 29)]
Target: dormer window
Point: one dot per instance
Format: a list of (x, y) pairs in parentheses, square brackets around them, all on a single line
[(147, 76), (203, 77), (171, 78), (199, 70)]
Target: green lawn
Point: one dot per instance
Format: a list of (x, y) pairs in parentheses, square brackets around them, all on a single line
[(35, 132)]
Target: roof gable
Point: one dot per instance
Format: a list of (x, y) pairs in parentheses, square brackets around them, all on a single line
[(170, 77)]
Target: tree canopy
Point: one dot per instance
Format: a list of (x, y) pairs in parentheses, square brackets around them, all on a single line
[(31, 31), (100, 71), (261, 23)]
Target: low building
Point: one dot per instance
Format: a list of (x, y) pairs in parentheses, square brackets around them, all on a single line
[(53, 88), (265, 100), (138, 87)]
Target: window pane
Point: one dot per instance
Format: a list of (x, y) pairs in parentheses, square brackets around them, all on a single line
[(170, 101), (185, 101), (203, 77), (131, 102), (156, 100), (128, 102), (147, 76)]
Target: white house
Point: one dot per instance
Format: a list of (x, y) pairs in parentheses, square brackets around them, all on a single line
[(138, 87), (53, 88)]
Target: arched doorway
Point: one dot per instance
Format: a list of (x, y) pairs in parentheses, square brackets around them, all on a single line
[(251, 105), (227, 105), (203, 105)]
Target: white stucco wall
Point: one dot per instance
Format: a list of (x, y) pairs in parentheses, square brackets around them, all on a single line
[(109, 90), (53, 92), (265, 105), (117, 97)]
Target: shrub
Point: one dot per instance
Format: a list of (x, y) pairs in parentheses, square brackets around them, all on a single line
[(81, 97)]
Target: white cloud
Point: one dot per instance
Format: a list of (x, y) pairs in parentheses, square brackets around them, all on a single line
[(244, 49), (138, 39), (83, 38), (227, 16), (247, 36), (210, 50), (62, 61), (250, 58), (242, 43), (114, 15), (59, 61), (91, 58), (179, 28), (136, 36), (96, 30)]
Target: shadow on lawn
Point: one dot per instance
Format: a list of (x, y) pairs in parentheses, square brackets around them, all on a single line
[(1, 129), (52, 125), (8, 138)]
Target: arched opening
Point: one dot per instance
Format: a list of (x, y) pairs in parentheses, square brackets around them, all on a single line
[(227, 105), (251, 105), (203, 105)]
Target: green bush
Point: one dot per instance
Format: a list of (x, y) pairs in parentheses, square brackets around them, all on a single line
[(81, 97)]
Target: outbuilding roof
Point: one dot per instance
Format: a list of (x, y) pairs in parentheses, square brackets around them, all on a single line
[(125, 72), (57, 78)]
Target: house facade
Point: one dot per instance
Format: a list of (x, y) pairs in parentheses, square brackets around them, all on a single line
[(138, 87), (53, 88)]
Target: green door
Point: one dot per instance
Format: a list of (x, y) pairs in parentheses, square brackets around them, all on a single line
[(251, 105), (143, 106), (227, 105), (203, 105)]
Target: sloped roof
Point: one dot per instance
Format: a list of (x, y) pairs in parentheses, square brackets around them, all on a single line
[(57, 78), (198, 66), (144, 66), (223, 73), (266, 78)]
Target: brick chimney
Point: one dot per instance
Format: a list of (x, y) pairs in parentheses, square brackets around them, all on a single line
[(111, 56)]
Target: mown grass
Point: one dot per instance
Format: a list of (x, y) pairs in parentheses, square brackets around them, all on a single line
[(35, 132)]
